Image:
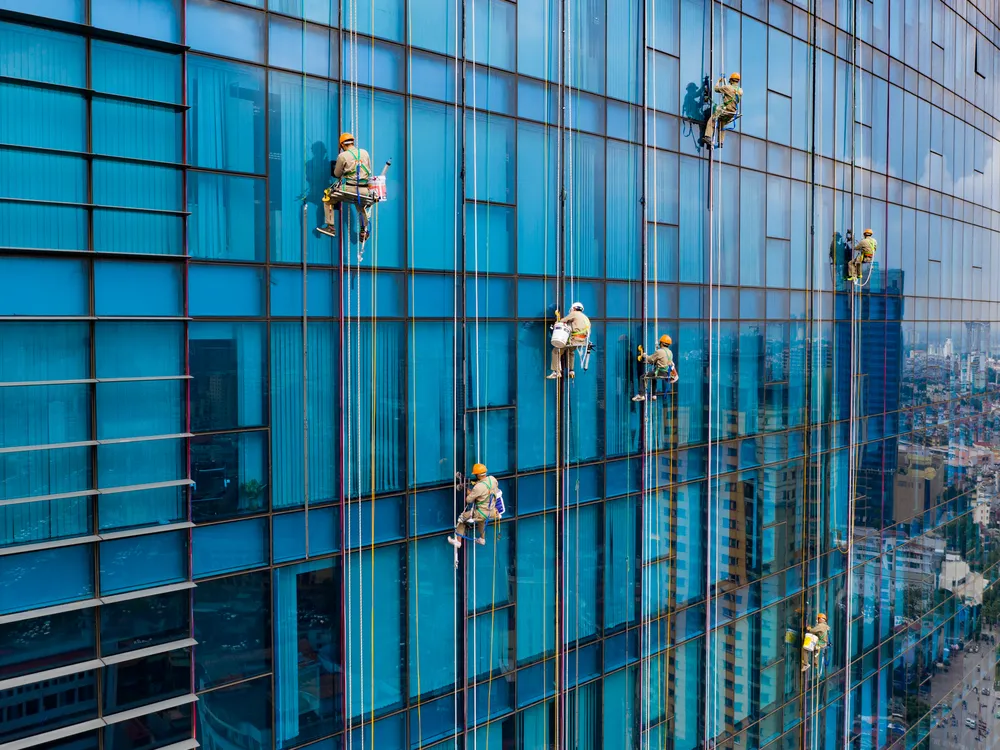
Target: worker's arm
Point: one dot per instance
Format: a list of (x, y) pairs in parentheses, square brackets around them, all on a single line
[(477, 492)]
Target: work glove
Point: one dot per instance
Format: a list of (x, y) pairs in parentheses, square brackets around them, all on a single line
[(639, 358)]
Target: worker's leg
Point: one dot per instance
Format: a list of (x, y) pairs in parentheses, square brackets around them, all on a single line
[(724, 120), (570, 356), (330, 205), (644, 383), (853, 268), (709, 130), (363, 233)]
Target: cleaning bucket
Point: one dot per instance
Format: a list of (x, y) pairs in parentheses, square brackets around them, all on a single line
[(560, 335)]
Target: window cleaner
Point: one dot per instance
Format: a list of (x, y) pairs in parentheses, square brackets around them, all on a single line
[(864, 252), (570, 334), (816, 641), (483, 503), (663, 370), (726, 113), (353, 183)]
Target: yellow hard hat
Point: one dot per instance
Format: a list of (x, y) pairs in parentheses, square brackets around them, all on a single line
[(821, 616), (478, 469), (665, 339), (346, 138), (868, 232), (734, 77)]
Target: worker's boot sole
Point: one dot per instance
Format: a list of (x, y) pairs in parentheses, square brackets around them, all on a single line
[(328, 232)]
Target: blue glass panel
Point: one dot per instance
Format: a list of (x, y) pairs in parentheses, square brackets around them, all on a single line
[(489, 39), (44, 415), (435, 214), (35, 54), (158, 729), (233, 629), (152, 19), (63, 10), (230, 476), (586, 199), (624, 220), (433, 720), (386, 522), (125, 464), (288, 534), (433, 403), (624, 71), (44, 351), (286, 293), (227, 362), (133, 71), (536, 556), (48, 642), (432, 76), (287, 433), (133, 232), (137, 349), (41, 579), (48, 714), (28, 523), (141, 131), (124, 184), (227, 217), (434, 25), (40, 176), (433, 511), (378, 65), (143, 562), (490, 158), (224, 29), (226, 119), (44, 472), (491, 438), (320, 11), (537, 190), (247, 705), (539, 22), (125, 510), (589, 24), (130, 684), (225, 291), (226, 547), (298, 167), (56, 118), (489, 90), (383, 18), (134, 288), (431, 642), (43, 227), (289, 46), (489, 238)]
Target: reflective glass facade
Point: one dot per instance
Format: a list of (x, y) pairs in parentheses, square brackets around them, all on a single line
[(228, 445)]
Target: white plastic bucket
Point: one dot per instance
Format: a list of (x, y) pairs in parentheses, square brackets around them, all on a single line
[(376, 186), (560, 335)]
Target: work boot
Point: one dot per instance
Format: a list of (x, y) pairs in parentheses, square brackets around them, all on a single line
[(653, 397), (640, 397), (455, 542), (364, 234), (572, 375), (328, 230), (553, 375), (481, 541), (805, 667)]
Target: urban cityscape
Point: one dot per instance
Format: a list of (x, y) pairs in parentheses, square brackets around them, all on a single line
[(544, 374)]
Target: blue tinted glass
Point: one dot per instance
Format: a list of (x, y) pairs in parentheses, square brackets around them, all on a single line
[(143, 562), (141, 623), (35, 54), (139, 289), (227, 217), (133, 71), (289, 534), (226, 30), (40, 579), (142, 131), (44, 351), (227, 362), (158, 729), (246, 705), (61, 410), (435, 214), (56, 118), (308, 697), (154, 19), (154, 678), (229, 474), (63, 10), (41, 176), (26, 523), (379, 65), (216, 291), (47, 642), (287, 291), (46, 712), (383, 18), (124, 464), (136, 349), (292, 47), (140, 409), (158, 505), (231, 546), (44, 286), (232, 627), (226, 119), (320, 11), (489, 238)]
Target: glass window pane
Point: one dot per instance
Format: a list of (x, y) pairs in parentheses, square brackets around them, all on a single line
[(230, 476), (41, 579), (47, 642), (143, 562), (247, 705), (154, 678), (227, 217), (224, 29), (140, 623), (154, 19), (227, 362)]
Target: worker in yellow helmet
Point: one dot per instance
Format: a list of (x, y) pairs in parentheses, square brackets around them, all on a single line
[(351, 172), (483, 503), (817, 638), (663, 370), (864, 252), (725, 113)]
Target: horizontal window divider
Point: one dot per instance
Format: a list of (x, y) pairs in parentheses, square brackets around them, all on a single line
[(48, 446), (143, 379), (146, 486), (128, 596), (93, 32), (151, 708), (190, 744), (53, 544), (142, 317), (48, 498), (145, 531), (138, 210), (142, 653), (58, 609), (56, 734), (191, 169), (477, 409), (51, 674), (92, 155), (144, 438), (48, 318), (27, 383), (94, 93)]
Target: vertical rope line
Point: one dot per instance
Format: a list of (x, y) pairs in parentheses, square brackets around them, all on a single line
[(458, 621), (709, 697)]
